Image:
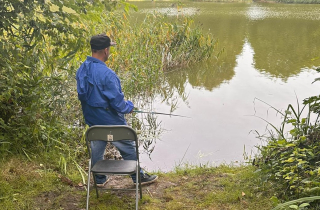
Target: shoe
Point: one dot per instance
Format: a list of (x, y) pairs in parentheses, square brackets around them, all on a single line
[(103, 184), (148, 179)]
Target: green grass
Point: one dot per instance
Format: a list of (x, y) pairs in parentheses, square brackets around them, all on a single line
[(29, 185)]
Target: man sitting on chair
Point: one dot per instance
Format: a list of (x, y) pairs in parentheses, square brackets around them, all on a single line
[(102, 101)]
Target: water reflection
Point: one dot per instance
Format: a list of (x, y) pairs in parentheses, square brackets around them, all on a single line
[(285, 47), (257, 12), (207, 75)]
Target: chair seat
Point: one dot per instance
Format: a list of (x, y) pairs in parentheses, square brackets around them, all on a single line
[(115, 166)]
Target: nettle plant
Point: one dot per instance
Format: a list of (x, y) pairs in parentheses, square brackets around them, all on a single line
[(291, 157)]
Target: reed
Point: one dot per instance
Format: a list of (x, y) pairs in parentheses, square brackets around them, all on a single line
[(154, 46)]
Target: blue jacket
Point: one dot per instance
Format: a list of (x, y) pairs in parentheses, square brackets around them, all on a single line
[(99, 91)]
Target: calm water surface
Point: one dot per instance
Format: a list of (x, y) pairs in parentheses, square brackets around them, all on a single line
[(270, 51)]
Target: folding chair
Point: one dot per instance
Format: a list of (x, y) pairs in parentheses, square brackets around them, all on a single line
[(113, 167)]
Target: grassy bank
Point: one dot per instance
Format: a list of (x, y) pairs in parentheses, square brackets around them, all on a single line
[(35, 185)]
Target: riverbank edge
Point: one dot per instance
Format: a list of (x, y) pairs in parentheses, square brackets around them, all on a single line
[(37, 185)]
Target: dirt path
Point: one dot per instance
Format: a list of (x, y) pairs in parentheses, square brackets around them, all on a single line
[(73, 198)]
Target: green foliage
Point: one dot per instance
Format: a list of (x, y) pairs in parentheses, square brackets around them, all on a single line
[(39, 44), (292, 160), (38, 41), (302, 203), (314, 101)]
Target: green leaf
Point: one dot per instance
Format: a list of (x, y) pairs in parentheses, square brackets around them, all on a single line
[(288, 112), (314, 189), (303, 138), (293, 207), (290, 145), (294, 132), (292, 121), (274, 200), (290, 160), (304, 205), (281, 142)]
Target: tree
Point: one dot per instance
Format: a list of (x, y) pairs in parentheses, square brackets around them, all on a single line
[(39, 41)]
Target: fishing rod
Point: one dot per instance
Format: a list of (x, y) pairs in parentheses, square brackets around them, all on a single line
[(175, 115)]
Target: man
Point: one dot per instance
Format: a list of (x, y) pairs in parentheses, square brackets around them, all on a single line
[(102, 101)]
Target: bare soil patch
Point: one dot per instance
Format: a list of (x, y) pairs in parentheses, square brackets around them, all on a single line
[(74, 197)]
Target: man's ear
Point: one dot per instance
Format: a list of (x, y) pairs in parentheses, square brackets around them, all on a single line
[(107, 53), (107, 50)]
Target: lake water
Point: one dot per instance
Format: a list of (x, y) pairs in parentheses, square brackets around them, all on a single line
[(270, 53)]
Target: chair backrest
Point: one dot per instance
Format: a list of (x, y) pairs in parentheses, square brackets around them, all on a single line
[(110, 133)]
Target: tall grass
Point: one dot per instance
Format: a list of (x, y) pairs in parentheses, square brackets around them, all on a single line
[(156, 45)]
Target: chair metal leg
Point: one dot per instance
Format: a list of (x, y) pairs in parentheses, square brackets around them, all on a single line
[(88, 186), (137, 185), (95, 184), (140, 188)]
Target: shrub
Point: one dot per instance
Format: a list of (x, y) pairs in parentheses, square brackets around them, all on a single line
[(292, 161)]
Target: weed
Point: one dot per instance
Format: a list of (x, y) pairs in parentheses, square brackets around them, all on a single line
[(291, 159)]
